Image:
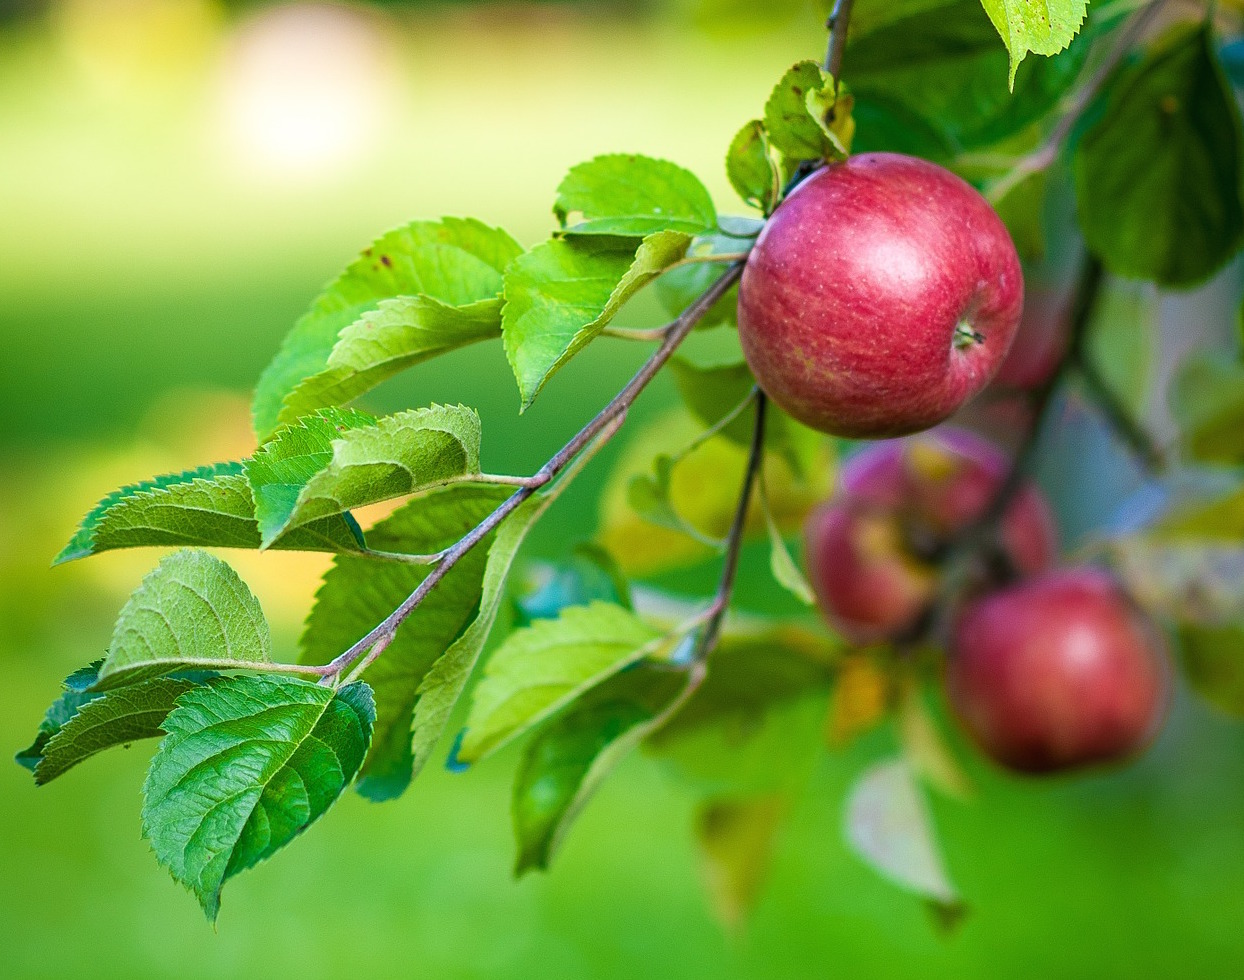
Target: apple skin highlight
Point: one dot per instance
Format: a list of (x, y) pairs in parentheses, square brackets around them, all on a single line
[(882, 294)]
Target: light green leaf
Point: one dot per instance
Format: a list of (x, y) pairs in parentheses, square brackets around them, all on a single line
[(192, 610), (736, 836), (358, 593), (454, 261), (794, 115), (297, 481), (545, 666), (209, 507), (751, 168), (1207, 400), (116, 717), (248, 764), (569, 756), (1158, 173), (782, 566), (889, 827), (1040, 26), (398, 334), (1121, 338), (560, 295), (924, 748), (632, 195)]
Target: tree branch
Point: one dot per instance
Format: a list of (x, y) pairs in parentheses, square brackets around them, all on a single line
[(609, 418), (734, 539), (1119, 416), (839, 21), (1045, 154)]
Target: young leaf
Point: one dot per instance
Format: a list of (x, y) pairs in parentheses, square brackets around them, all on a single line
[(561, 294), (192, 610), (736, 837), (209, 507), (115, 717), (398, 334), (545, 666), (319, 467), (77, 692), (1158, 174), (248, 764), (358, 593), (634, 196), (454, 261), (889, 827), (751, 169), (569, 756), (1207, 401), (1040, 26), (795, 115)]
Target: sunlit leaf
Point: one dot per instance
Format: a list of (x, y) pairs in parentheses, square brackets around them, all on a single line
[(631, 195)]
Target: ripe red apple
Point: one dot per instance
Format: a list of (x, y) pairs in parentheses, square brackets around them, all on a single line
[(1058, 672), (880, 296), (1040, 341), (872, 549)]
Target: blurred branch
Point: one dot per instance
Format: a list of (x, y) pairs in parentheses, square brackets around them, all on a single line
[(1124, 424)]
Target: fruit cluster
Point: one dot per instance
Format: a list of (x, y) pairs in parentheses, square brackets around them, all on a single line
[(882, 295)]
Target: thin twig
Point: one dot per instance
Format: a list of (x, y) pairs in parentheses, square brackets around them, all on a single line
[(838, 23), (1124, 424), (734, 539), (708, 257), (1045, 154), (607, 418), (628, 333)]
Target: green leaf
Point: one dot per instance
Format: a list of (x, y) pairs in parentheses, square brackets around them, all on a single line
[(398, 334), (192, 610), (924, 748), (1120, 341), (635, 196), (751, 169), (445, 681), (358, 593), (795, 115), (889, 827), (454, 261), (560, 295), (782, 566), (1158, 173), (76, 693), (548, 664), (928, 79), (1022, 210), (1213, 663), (651, 497), (569, 756), (319, 467), (590, 573), (248, 764), (736, 837), (1207, 401), (210, 507), (116, 717), (1040, 26)]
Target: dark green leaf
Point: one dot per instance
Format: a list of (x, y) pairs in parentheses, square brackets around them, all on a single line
[(1158, 172), (454, 261), (77, 693), (192, 610), (248, 764), (1213, 662), (560, 295), (632, 195), (116, 717), (750, 166), (589, 574), (569, 756), (358, 593), (545, 666)]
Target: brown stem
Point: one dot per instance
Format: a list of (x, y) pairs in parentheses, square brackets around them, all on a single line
[(839, 21), (610, 416)]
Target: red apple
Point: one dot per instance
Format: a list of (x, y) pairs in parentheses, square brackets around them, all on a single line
[(880, 296), (871, 550), (1058, 672), (1040, 341)]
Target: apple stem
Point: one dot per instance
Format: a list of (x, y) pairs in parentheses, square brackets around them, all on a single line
[(966, 335)]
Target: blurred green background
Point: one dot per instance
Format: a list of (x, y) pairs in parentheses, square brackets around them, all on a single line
[(177, 179)]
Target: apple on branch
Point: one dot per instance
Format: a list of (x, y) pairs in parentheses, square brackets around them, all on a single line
[(882, 294)]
